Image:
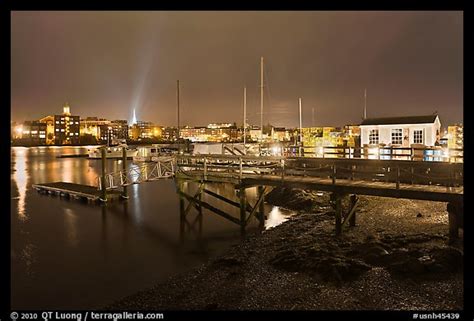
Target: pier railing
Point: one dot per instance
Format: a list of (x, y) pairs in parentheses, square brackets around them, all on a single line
[(394, 171), (163, 168), (453, 155)]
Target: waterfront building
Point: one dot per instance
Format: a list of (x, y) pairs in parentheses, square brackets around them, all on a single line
[(280, 134), (401, 131), (211, 133), (169, 133), (62, 129), (49, 121), (143, 130), (31, 133), (66, 127), (92, 126), (116, 130), (455, 136)]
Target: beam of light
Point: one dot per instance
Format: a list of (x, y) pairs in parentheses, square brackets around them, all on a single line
[(143, 75)]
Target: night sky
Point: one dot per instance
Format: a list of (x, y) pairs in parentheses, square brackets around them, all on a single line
[(107, 63)]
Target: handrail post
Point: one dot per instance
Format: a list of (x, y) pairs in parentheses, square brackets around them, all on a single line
[(334, 174), (240, 168), (205, 168), (282, 169)]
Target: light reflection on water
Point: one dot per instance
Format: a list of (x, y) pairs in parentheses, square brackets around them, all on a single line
[(71, 255), (20, 176), (276, 217)]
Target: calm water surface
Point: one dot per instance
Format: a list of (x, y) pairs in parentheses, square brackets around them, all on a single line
[(72, 255)]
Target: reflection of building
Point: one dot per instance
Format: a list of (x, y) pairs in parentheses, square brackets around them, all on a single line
[(401, 131), (455, 136)]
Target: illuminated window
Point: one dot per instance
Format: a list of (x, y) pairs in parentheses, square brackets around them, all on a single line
[(374, 137), (397, 136), (418, 136), (57, 129), (62, 129)]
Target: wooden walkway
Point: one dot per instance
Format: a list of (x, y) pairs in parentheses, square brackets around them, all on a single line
[(78, 191)]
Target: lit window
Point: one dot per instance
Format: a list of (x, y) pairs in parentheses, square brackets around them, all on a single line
[(418, 136), (397, 136), (57, 129), (374, 137), (62, 129), (57, 121)]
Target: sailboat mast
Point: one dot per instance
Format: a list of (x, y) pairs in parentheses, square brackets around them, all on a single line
[(365, 103), (245, 114), (261, 98), (177, 106), (301, 125)]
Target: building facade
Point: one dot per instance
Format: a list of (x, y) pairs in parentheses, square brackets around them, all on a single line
[(401, 131), (455, 136), (66, 128)]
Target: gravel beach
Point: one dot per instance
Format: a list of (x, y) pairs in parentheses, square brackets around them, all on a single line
[(397, 257)]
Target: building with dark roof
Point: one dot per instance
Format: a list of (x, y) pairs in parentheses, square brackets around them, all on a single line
[(401, 131)]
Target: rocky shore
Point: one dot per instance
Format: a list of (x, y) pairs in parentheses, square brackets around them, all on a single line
[(397, 257)]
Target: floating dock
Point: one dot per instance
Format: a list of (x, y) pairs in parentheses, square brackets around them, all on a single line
[(76, 191)]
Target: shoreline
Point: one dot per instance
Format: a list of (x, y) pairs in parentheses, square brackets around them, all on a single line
[(397, 257)]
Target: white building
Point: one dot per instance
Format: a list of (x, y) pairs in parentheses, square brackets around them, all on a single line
[(401, 131)]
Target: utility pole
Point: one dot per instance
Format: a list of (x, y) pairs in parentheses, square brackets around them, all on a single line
[(245, 116), (261, 99), (301, 125)]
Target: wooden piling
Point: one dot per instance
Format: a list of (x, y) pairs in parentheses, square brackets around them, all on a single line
[(261, 212), (103, 197), (352, 219), (243, 206), (124, 171), (338, 208), (453, 219)]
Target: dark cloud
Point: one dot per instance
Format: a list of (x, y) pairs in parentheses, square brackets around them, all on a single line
[(105, 63)]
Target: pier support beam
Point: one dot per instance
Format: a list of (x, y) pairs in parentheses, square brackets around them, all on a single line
[(336, 199), (103, 186), (124, 171), (352, 218), (455, 212), (243, 207), (261, 209)]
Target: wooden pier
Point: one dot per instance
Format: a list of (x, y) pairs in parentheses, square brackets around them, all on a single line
[(433, 181), (75, 191)]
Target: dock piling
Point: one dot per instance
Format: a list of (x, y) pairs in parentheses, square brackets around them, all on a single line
[(103, 197), (124, 172)]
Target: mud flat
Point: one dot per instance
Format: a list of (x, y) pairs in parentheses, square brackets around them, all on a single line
[(397, 257)]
